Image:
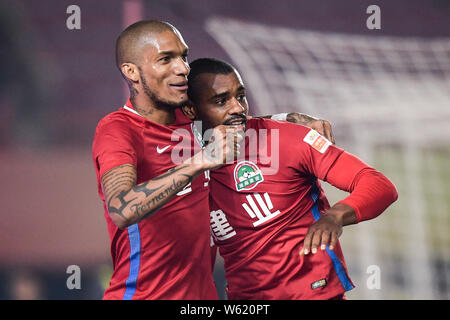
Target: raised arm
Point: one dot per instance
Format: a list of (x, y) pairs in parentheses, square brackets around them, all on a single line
[(128, 203)]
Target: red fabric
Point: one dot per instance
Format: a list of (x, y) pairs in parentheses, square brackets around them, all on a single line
[(260, 229), (371, 191), (262, 261), (172, 247)]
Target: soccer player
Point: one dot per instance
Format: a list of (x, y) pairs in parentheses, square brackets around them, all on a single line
[(269, 216), (159, 248), (157, 210)]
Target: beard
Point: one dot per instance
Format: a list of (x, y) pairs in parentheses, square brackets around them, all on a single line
[(160, 103)]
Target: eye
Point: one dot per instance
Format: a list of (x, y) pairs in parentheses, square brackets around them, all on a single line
[(165, 59), (184, 57), (241, 97), (221, 101)]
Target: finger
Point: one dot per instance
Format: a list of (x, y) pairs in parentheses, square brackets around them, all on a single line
[(318, 126), (236, 127), (237, 150), (316, 241), (328, 131), (240, 136), (307, 243), (333, 242), (325, 240)]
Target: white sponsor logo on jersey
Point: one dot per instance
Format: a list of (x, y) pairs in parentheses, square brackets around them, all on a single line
[(162, 149), (254, 211), (317, 141), (221, 229)]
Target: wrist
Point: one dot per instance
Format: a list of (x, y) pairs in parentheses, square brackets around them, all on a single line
[(279, 116), (198, 163), (342, 214)]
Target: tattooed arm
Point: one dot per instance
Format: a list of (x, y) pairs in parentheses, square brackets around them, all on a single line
[(128, 203), (321, 126)]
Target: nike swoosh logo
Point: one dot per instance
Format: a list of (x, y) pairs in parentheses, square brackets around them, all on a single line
[(163, 149)]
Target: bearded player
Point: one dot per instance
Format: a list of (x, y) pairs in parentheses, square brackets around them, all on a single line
[(274, 227), (156, 212), (157, 209)]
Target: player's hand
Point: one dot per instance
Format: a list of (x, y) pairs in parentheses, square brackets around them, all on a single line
[(323, 127), (223, 146), (323, 232)]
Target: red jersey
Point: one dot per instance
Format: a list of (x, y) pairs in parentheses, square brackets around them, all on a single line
[(165, 256), (261, 209)]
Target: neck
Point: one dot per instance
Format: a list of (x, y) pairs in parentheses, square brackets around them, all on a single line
[(147, 108)]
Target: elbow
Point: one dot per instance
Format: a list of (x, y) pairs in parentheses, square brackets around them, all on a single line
[(391, 192), (377, 193), (119, 217), (395, 194), (121, 223)]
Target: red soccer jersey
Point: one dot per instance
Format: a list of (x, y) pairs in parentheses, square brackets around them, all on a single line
[(260, 216), (166, 256)]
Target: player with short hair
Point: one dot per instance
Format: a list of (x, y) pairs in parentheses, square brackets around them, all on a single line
[(268, 210), (157, 210)]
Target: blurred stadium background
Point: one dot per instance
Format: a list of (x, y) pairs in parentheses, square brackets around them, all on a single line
[(386, 92)]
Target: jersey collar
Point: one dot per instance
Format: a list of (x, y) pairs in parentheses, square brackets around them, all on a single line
[(180, 117)]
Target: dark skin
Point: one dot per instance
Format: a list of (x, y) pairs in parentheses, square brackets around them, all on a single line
[(222, 100)]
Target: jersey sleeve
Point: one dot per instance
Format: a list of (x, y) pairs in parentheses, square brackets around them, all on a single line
[(113, 146), (316, 154), (371, 192)]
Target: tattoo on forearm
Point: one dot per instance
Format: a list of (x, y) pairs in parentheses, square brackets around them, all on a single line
[(124, 204), (299, 118), (142, 209), (169, 172), (121, 185), (294, 117)]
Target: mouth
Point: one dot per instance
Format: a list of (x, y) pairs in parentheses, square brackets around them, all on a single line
[(181, 86), (235, 121)]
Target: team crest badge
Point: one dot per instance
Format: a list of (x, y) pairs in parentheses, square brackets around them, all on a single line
[(247, 175)]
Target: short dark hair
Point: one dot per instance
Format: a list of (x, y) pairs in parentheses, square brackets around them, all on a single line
[(205, 65), (128, 41)]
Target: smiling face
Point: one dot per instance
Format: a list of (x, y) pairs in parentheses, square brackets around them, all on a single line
[(220, 99), (163, 69)]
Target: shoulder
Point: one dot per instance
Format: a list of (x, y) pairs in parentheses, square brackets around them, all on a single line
[(115, 122), (116, 128), (285, 127), (292, 135), (114, 118)]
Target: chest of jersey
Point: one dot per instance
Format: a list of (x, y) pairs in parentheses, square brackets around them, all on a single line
[(164, 148), (249, 197)]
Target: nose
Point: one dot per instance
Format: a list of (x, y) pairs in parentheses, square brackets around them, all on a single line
[(236, 107), (182, 67)]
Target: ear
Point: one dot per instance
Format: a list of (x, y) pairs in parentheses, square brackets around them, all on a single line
[(189, 110), (130, 71)]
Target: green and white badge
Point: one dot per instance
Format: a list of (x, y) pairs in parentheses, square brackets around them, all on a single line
[(247, 175)]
